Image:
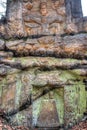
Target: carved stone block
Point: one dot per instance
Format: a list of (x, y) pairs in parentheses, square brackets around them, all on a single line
[(43, 17)]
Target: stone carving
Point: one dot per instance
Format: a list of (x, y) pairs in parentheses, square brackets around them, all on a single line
[(59, 7), (42, 17), (45, 20), (42, 71)]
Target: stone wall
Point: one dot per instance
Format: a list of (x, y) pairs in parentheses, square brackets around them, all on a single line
[(36, 18), (43, 64)]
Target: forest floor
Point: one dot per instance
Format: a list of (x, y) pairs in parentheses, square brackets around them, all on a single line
[(5, 126), (80, 126)]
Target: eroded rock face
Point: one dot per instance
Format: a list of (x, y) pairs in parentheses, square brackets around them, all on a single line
[(43, 69), (29, 83), (33, 18), (68, 46)]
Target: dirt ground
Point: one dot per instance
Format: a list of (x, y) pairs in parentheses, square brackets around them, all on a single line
[(80, 126)]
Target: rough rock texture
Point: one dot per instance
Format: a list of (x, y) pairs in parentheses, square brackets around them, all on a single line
[(58, 84), (67, 46), (43, 64), (73, 8), (32, 18)]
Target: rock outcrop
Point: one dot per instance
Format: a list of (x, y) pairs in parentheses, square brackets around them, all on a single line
[(43, 64)]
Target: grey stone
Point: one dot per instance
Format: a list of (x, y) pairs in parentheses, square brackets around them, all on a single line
[(2, 44)]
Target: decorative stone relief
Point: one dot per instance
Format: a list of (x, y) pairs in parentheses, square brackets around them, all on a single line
[(43, 17), (43, 70)]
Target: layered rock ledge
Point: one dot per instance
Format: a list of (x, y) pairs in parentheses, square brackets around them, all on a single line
[(55, 46), (48, 71)]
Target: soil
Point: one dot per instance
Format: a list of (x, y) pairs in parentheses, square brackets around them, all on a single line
[(80, 126)]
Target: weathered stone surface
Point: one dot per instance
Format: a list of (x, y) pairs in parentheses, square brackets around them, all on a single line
[(68, 46), (4, 54), (29, 18), (73, 104), (34, 18), (23, 118), (6, 70), (2, 45), (43, 17), (73, 9), (48, 63), (48, 117), (48, 91), (71, 28), (81, 24), (42, 82), (14, 88), (14, 26)]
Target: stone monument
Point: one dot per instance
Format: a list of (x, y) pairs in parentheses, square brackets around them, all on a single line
[(43, 64)]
